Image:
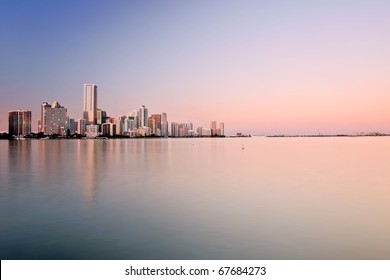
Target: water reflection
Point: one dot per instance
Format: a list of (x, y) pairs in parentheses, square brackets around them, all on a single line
[(299, 198), (88, 160), (18, 166)]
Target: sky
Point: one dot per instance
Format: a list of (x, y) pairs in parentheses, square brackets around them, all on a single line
[(261, 67)]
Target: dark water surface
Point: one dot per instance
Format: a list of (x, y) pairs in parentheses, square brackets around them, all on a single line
[(279, 198)]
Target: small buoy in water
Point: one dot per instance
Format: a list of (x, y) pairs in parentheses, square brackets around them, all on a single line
[(242, 147)]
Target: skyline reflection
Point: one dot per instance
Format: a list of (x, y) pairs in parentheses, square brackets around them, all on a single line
[(279, 198)]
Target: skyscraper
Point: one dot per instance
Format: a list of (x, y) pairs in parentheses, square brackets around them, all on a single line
[(213, 128), (154, 122), (101, 116), (90, 103), (174, 129), (132, 121), (143, 117), (43, 121), (72, 126), (54, 119), (19, 122), (164, 125), (221, 129), (81, 126)]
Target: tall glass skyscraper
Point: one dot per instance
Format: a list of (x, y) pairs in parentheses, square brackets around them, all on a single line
[(90, 103), (19, 122)]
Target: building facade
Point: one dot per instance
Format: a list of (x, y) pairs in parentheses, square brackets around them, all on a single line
[(221, 129), (71, 126), (109, 129), (43, 121), (54, 119), (90, 103), (164, 125), (81, 123), (101, 117), (213, 128), (19, 122), (92, 131), (143, 117)]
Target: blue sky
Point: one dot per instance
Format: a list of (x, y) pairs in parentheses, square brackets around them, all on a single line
[(258, 66)]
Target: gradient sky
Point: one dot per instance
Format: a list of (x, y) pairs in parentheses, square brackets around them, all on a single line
[(258, 66)]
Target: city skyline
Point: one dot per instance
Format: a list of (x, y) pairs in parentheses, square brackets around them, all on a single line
[(299, 67), (55, 122)]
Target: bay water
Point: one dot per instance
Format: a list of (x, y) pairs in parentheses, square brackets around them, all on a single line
[(206, 198)]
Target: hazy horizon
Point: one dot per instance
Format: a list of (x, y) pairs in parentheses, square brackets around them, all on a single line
[(272, 67)]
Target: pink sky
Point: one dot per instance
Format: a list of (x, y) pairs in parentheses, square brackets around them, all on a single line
[(259, 67)]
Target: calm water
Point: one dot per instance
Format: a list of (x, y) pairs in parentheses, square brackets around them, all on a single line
[(279, 198)]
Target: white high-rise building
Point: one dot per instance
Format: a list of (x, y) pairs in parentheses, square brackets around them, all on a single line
[(174, 129), (143, 117), (164, 125), (54, 119), (213, 128), (44, 121), (221, 129), (92, 131), (81, 126), (90, 103)]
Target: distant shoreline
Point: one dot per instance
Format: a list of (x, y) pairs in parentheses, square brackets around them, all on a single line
[(2, 137), (329, 135)]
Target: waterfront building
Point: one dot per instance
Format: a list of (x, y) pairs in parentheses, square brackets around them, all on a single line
[(109, 129), (189, 125), (152, 124), (19, 122), (213, 128), (43, 121), (132, 120), (143, 117), (76, 126), (101, 117), (90, 103), (181, 129), (92, 130), (132, 133), (221, 129), (164, 117), (71, 126), (106, 129), (157, 118), (81, 123), (191, 133), (127, 124), (206, 132), (54, 119), (121, 125), (164, 129), (143, 131), (164, 125), (203, 131), (174, 129)]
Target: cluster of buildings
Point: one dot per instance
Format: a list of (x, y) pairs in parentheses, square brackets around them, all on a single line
[(54, 121)]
